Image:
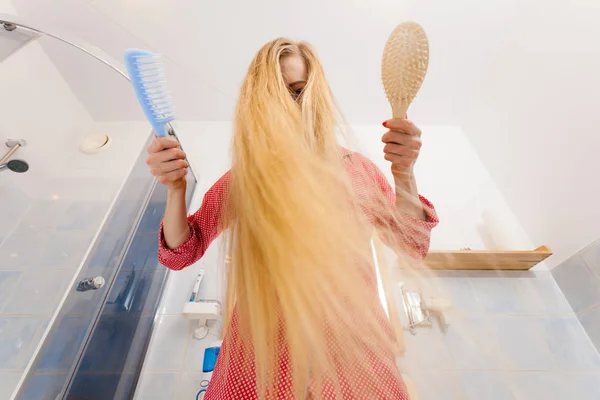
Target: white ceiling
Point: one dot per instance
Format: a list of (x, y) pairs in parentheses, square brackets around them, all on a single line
[(519, 77), (208, 46)]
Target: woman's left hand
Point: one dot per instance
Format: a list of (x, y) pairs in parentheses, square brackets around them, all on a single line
[(402, 145)]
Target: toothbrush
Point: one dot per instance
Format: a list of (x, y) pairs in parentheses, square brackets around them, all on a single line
[(146, 72), (197, 286)]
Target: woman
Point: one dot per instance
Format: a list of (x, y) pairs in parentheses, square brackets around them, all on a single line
[(305, 319)]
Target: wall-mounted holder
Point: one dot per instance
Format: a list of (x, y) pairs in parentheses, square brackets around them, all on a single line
[(202, 311), (417, 316), (420, 309)]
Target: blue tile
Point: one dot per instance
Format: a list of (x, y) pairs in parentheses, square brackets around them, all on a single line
[(114, 332), (63, 344), (122, 293), (152, 217), (152, 260), (591, 323), (8, 282), (123, 215), (579, 284), (8, 384), (591, 255), (142, 252), (18, 339), (139, 345), (136, 291), (107, 252), (483, 385), (102, 386), (522, 343), (38, 293), (43, 387), (570, 346), (127, 338), (154, 282)]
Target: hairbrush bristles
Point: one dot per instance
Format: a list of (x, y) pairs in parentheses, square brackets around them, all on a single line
[(404, 65)]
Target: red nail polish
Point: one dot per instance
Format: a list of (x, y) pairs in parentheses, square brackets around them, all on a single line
[(384, 124)]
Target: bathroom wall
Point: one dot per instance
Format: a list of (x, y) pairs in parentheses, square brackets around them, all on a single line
[(533, 121), (51, 213), (579, 279), (512, 335), (7, 7)]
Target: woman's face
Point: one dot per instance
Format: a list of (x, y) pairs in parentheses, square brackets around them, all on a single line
[(293, 69)]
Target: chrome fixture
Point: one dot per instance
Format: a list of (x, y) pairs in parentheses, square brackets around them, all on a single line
[(413, 305), (18, 166), (12, 39), (421, 309), (90, 284)]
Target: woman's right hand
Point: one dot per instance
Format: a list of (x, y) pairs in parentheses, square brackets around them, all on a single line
[(167, 162)]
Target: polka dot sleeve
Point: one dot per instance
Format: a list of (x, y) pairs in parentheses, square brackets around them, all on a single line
[(205, 225), (413, 234)]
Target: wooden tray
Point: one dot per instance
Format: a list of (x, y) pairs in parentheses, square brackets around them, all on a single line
[(486, 259)]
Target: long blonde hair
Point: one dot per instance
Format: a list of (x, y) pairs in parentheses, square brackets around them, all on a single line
[(301, 275)]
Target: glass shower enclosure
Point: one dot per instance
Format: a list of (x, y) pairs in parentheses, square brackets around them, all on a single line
[(79, 276)]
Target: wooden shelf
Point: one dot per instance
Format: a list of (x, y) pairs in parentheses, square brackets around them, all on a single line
[(505, 260)]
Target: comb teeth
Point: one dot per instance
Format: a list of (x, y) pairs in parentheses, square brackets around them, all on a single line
[(149, 80), (404, 65)]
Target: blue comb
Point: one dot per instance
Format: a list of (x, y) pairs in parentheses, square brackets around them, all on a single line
[(148, 79)]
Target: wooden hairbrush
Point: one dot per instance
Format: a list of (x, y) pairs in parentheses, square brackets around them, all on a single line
[(403, 69), (404, 65)]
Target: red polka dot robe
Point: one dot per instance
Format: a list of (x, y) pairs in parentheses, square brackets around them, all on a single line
[(235, 380)]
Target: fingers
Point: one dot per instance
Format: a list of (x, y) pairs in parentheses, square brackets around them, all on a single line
[(168, 167), (410, 141), (399, 162), (403, 126), (172, 176), (401, 151), (166, 160), (165, 155), (162, 143)]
